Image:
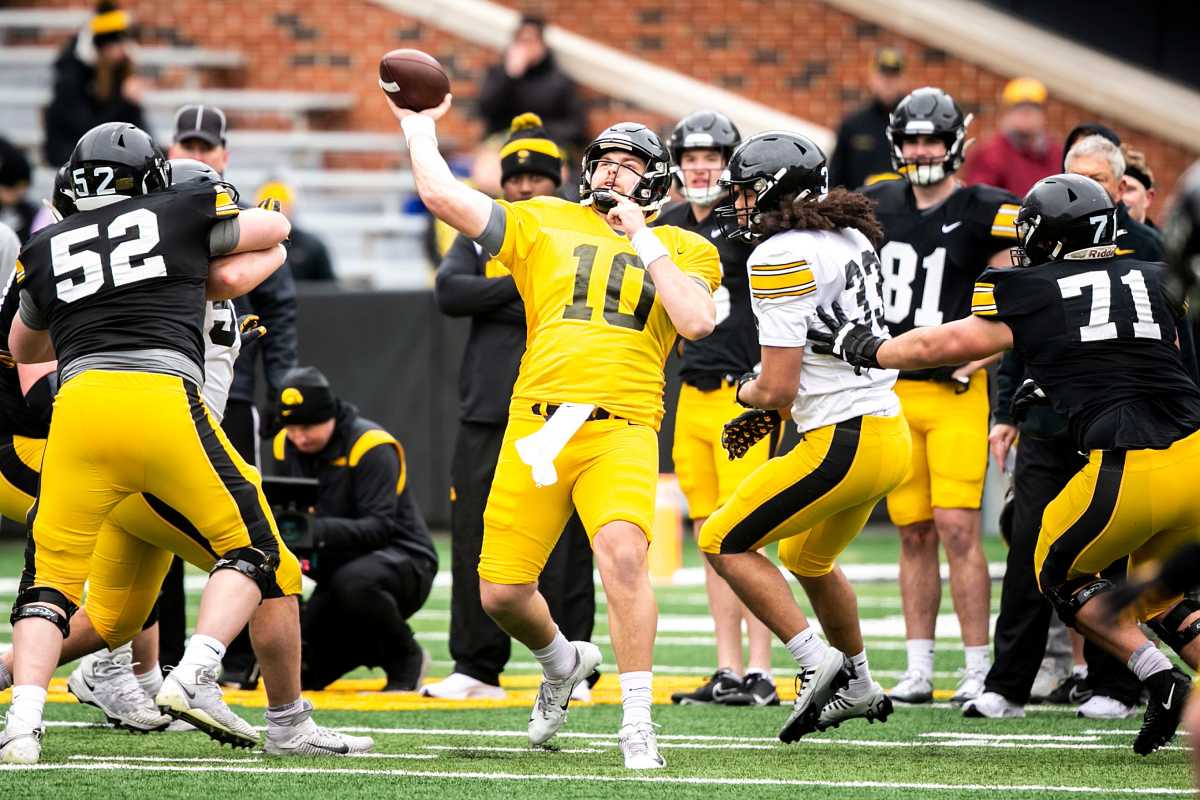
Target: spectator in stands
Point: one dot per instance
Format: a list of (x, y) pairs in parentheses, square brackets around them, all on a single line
[(862, 153), (529, 79), (308, 257), (93, 83), (1099, 159), (17, 211), (1137, 187), (469, 284), (365, 544), (1020, 154)]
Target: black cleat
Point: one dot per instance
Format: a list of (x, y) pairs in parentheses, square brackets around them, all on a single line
[(756, 690), (1168, 694), (1071, 692), (722, 685)]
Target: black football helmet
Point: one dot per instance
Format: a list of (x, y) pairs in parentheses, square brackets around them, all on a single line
[(933, 112), (116, 159), (702, 130), (774, 165), (1065, 217), (1181, 238), (190, 169), (651, 191), (62, 197)]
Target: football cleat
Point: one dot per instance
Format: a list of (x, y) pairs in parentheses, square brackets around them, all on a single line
[(1053, 671), (1169, 691), (992, 705), (1100, 707), (458, 686), (914, 687), (970, 686), (21, 748), (553, 697), (720, 688), (106, 680), (1072, 691), (756, 690), (639, 745), (298, 735), (192, 694), (874, 705), (816, 686)]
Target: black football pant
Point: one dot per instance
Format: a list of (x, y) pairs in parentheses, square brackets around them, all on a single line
[(357, 616), (477, 645)]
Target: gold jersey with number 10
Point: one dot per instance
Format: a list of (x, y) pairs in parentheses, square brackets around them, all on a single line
[(597, 332)]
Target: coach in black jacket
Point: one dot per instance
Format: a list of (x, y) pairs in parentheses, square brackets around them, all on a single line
[(365, 544)]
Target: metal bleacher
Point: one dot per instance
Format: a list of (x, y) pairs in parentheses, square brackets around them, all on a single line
[(359, 213)]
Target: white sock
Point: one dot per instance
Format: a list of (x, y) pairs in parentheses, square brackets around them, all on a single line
[(151, 680), (202, 652), (636, 696), (5, 677), (764, 672), (807, 648), (920, 656), (979, 657), (1079, 671), (860, 684), (558, 658), (25, 713), (1147, 660)]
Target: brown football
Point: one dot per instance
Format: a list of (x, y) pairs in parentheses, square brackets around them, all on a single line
[(412, 79)]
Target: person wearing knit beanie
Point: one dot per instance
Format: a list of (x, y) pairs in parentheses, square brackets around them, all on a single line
[(530, 151)]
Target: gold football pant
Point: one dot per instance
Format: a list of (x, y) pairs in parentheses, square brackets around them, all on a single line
[(608, 472), (20, 463), (949, 448), (116, 434), (706, 474), (1137, 503), (816, 498)]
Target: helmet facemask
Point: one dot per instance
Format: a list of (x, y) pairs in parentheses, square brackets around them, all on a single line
[(650, 191), (925, 172)]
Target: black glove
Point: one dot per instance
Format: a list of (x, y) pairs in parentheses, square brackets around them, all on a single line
[(1027, 396), (270, 204), (852, 342), (742, 433), (251, 328), (297, 531), (946, 375)]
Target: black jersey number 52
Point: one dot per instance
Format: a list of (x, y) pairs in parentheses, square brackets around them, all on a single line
[(83, 270)]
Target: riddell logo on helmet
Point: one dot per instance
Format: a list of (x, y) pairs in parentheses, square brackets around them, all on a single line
[(1089, 253)]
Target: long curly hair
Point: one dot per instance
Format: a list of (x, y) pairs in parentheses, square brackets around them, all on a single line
[(840, 208)]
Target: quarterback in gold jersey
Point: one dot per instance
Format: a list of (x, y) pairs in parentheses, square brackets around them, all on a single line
[(604, 298)]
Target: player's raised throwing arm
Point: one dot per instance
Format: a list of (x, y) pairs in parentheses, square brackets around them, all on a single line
[(453, 202)]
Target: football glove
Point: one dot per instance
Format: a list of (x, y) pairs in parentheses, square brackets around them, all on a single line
[(1027, 397), (270, 204), (747, 430), (852, 342), (946, 375), (251, 328)]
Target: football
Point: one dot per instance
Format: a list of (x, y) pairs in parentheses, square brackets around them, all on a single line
[(412, 79)]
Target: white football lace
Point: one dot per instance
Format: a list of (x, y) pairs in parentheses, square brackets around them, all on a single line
[(118, 669)]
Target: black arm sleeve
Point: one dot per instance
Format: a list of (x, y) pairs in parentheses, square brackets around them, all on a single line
[(1008, 377), (374, 479), (274, 300), (461, 290)]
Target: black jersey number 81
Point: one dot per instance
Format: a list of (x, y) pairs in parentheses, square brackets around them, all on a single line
[(83, 271)]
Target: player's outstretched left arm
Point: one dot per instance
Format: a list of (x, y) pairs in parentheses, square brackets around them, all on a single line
[(447, 198), (967, 339), (689, 304), (234, 275)]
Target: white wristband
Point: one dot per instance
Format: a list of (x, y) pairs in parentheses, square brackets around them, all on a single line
[(648, 246), (418, 125)]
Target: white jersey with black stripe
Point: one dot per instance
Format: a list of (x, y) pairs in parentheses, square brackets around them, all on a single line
[(222, 343), (791, 275)]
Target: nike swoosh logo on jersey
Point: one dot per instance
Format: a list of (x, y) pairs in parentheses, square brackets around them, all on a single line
[(1170, 696), (951, 226)]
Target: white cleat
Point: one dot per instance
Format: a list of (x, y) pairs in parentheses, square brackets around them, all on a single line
[(21, 748), (1053, 671), (582, 693), (914, 687), (550, 707), (1100, 707), (300, 736), (105, 680), (992, 705), (639, 745), (458, 686), (816, 686), (871, 706), (194, 695), (969, 686)]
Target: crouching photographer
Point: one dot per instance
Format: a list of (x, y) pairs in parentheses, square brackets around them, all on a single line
[(364, 541)]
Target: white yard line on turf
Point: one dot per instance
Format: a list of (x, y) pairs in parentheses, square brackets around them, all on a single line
[(476, 749), (307, 771), (160, 759)]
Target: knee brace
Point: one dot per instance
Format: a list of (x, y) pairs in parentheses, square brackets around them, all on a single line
[(1167, 628), (254, 564), (23, 608), (1067, 598)]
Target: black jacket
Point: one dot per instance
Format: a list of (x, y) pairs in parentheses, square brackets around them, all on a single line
[(1137, 240), (862, 149), (363, 501), (545, 90), (274, 300), (75, 109), (308, 257), (497, 339)]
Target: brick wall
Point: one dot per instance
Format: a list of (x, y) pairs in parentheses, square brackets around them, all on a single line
[(799, 55)]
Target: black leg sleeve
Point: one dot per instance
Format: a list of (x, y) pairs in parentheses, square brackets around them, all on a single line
[(240, 665), (172, 616)]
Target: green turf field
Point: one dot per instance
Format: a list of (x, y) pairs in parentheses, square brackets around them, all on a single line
[(426, 749)]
